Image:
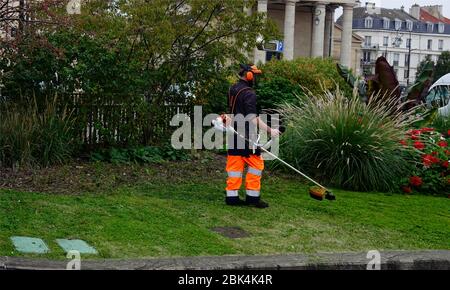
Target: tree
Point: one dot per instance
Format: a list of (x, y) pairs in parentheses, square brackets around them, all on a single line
[(137, 54), (442, 65), (423, 64), (174, 46)]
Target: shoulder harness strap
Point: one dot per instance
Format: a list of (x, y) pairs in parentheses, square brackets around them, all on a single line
[(232, 99)]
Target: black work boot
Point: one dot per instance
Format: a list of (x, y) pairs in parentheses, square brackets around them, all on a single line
[(256, 202), (234, 201)]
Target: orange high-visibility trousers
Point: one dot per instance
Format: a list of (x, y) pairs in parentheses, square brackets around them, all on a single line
[(235, 169)]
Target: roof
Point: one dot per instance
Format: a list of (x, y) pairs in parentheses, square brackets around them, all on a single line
[(354, 35), (427, 17), (378, 14)]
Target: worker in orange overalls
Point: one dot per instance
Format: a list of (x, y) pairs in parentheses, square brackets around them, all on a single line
[(242, 101)]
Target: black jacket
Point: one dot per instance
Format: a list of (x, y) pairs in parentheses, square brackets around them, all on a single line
[(243, 106)]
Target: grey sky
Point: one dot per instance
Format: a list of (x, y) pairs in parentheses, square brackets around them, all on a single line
[(407, 4)]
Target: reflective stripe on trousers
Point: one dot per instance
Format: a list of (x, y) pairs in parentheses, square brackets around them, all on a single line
[(235, 168)]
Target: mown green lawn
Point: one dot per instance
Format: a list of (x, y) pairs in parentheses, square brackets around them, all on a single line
[(172, 216)]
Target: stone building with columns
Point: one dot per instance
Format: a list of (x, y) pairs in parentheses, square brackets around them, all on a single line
[(307, 27)]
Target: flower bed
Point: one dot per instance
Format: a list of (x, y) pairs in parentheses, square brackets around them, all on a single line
[(429, 159)]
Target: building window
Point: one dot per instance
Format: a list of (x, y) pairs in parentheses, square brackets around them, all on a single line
[(397, 42), (386, 41), (409, 25), (385, 54), (406, 60), (398, 24), (386, 23), (430, 27), (366, 57), (396, 59), (408, 43), (441, 27), (368, 22), (430, 44), (368, 40), (441, 44), (406, 74)]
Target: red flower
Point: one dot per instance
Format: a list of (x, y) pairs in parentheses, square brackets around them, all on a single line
[(415, 132), (428, 159), (427, 129), (419, 145), (445, 164), (434, 153), (415, 181), (442, 143), (403, 142), (414, 137), (406, 189), (448, 132), (447, 152)]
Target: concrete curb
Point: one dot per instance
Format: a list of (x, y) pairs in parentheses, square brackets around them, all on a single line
[(390, 260)]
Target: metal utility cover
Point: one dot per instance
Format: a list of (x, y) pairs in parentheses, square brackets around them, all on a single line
[(30, 245), (76, 245)]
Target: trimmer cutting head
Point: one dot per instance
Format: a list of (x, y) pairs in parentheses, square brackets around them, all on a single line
[(319, 193)]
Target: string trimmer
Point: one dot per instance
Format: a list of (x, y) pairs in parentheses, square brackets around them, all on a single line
[(318, 192)]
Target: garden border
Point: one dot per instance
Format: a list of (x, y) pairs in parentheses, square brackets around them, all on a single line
[(390, 260)]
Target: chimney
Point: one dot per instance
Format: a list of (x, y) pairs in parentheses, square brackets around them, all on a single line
[(435, 10), (414, 11), (371, 8)]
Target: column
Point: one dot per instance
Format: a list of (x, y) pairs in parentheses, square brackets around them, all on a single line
[(289, 29), (346, 44), (329, 31), (318, 30), (260, 55)]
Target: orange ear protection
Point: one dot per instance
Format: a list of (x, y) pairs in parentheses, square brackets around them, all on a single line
[(250, 72), (249, 76)]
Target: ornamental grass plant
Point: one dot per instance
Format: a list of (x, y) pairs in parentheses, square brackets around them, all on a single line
[(347, 143)]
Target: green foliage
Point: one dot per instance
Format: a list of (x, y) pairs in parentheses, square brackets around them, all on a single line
[(442, 65), (276, 91), (147, 154), (418, 91), (426, 117), (441, 124), (130, 60), (30, 135), (282, 80), (429, 162), (357, 83), (346, 142)]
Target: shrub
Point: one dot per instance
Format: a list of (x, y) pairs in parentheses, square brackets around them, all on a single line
[(429, 162), (32, 136), (283, 80), (441, 124), (147, 154), (345, 142)]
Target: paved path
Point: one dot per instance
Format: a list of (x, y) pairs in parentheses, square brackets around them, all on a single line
[(439, 259)]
